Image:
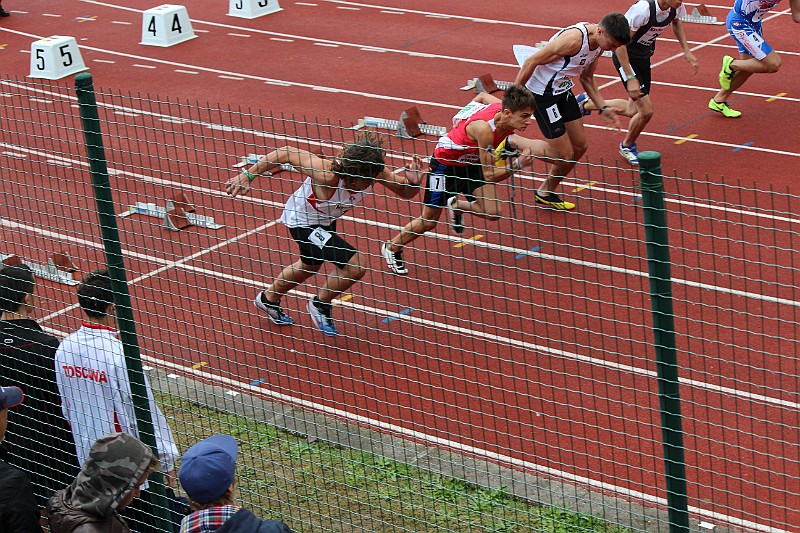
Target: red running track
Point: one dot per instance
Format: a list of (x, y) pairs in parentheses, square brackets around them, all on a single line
[(555, 399)]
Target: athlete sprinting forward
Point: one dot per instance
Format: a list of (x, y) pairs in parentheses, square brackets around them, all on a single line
[(548, 74), (756, 56), (463, 162), (330, 189), (648, 19)]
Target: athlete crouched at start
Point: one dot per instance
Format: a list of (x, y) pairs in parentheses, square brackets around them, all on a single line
[(331, 188)]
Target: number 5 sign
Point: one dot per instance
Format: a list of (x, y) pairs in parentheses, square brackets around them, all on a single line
[(54, 57), (250, 9), (166, 25)]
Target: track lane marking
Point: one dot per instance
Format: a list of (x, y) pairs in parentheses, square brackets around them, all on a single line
[(483, 244), (434, 324)]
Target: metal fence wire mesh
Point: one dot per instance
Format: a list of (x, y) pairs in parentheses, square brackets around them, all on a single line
[(507, 383)]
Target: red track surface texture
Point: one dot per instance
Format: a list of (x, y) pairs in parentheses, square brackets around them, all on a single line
[(525, 387)]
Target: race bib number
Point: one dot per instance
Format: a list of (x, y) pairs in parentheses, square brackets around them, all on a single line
[(467, 111), (553, 113), (437, 182), (319, 237)]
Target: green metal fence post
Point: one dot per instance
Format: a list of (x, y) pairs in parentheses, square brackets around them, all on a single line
[(119, 285), (658, 260)]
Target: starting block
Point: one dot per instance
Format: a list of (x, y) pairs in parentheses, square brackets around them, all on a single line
[(486, 84), (178, 214), (55, 57), (701, 15), (166, 25), (409, 126), (59, 267), (250, 9)]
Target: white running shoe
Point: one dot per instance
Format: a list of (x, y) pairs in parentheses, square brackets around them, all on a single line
[(456, 217), (394, 260)]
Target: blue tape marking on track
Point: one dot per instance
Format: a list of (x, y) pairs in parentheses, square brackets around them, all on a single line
[(403, 312), (258, 381), (742, 146), (534, 249), (637, 199)]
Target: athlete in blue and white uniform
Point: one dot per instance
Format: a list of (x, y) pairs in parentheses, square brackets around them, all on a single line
[(755, 54), (548, 73)]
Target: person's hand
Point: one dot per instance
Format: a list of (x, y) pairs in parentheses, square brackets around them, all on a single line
[(611, 117), (239, 184), (690, 57), (634, 88), (414, 173), (169, 479)]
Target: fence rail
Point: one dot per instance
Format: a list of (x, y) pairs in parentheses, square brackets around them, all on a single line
[(521, 350)]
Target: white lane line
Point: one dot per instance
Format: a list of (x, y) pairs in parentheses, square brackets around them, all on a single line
[(281, 39), (693, 204), (458, 446), (182, 71), (406, 100), (50, 15), (109, 61), (492, 246), (327, 44), (432, 324), (143, 66), (121, 22), (235, 78)]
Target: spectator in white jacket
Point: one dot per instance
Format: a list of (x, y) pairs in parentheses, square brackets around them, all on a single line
[(92, 378)]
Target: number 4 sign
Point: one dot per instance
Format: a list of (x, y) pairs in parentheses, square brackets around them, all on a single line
[(250, 9), (166, 25), (54, 57)]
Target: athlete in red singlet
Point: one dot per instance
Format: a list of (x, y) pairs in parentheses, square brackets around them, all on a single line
[(464, 163)]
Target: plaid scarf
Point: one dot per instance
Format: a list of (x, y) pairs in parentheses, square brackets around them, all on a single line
[(208, 520)]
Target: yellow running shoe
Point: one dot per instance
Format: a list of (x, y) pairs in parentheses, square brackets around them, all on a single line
[(724, 108), (726, 73), (553, 200)]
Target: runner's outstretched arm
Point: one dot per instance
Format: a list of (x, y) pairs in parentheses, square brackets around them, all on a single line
[(406, 186), (304, 162)]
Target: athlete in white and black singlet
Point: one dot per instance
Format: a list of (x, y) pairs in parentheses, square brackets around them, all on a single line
[(331, 188), (548, 73), (648, 19)]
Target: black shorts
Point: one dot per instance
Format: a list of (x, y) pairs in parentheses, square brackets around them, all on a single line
[(641, 67), (446, 181), (553, 112), (335, 250)]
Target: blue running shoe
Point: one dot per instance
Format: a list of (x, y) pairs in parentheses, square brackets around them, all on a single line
[(630, 153), (273, 311), (321, 316), (583, 99)]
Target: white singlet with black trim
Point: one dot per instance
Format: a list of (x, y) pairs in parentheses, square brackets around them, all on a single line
[(556, 77), (304, 209)]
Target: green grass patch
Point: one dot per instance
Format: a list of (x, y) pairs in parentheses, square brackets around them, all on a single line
[(318, 486)]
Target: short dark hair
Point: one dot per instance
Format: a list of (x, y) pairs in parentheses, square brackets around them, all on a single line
[(16, 281), (617, 27), (361, 160), (95, 294), (518, 97)]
